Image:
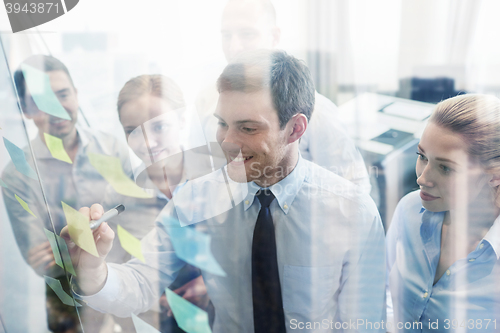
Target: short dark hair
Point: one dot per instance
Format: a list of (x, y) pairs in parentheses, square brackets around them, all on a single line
[(287, 78), (43, 63)]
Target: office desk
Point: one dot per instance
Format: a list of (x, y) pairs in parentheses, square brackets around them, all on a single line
[(387, 130)]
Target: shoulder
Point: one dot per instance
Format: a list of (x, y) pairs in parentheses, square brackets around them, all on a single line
[(104, 143), (324, 104), (410, 202), (337, 192)]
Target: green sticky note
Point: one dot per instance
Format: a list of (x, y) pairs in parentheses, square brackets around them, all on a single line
[(141, 326), (3, 184), (57, 287), (24, 204), (19, 159), (189, 317), (57, 243), (79, 229), (130, 244), (110, 169), (38, 84), (56, 148)]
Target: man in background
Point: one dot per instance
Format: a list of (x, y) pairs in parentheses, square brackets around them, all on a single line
[(248, 25), (75, 182)]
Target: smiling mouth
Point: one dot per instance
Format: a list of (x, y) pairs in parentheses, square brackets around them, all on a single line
[(156, 153), (57, 121), (238, 159)]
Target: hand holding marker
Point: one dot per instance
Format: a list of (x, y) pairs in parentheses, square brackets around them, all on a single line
[(94, 224)]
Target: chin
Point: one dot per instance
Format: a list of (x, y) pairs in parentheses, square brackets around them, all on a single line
[(435, 208), (237, 174)]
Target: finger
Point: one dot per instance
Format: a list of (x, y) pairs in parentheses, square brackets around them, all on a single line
[(43, 260), (85, 211), (96, 211), (38, 256), (38, 248), (105, 239), (50, 264), (65, 233)]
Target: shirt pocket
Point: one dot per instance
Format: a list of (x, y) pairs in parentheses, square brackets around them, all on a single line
[(308, 290)]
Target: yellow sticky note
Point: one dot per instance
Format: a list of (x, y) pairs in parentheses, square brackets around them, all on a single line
[(130, 244), (56, 148), (111, 169), (79, 229), (25, 205)]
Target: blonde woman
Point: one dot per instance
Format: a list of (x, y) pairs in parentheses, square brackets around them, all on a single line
[(443, 244), (151, 111)]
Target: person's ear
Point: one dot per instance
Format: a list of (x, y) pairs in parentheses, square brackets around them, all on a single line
[(494, 181), (276, 36), (297, 127)]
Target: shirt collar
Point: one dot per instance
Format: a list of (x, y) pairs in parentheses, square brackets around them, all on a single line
[(285, 190), (493, 237), (431, 222), (42, 152)]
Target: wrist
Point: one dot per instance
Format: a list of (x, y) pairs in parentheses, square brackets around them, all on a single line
[(91, 281)]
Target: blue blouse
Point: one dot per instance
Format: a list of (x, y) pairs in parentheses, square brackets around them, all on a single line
[(465, 299)]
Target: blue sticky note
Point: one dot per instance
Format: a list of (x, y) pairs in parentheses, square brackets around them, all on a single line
[(38, 84), (141, 326), (189, 317), (58, 289), (193, 247), (19, 159)]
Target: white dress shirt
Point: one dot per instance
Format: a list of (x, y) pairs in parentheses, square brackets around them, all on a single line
[(330, 247)]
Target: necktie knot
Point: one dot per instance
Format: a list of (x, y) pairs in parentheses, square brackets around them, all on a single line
[(265, 197)]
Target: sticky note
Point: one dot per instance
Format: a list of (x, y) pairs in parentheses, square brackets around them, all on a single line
[(24, 204), (19, 159), (38, 84), (141, 326), (130, 244), (79, 229), (193, 247), (110, 168), (3, 184), (56, 148), (189, 317), (57, 243), (57, 287)]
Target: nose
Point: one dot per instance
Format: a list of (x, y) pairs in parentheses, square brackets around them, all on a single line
[(425, 178), (235, 46), (229, 141)]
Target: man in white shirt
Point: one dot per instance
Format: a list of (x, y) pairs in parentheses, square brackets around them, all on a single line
[(77, 183), (323, 265), (248, 25)]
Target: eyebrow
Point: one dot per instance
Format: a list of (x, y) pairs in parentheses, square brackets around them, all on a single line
[(241, 122), (439, 158), (62, 91)]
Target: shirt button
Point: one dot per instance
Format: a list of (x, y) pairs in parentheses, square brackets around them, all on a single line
[(425, 295), (448, 272), (481, 246), (472, 259), (285, 206), (246, 202)]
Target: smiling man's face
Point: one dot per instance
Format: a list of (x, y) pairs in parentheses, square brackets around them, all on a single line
[(68, 97), (249, 123)]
